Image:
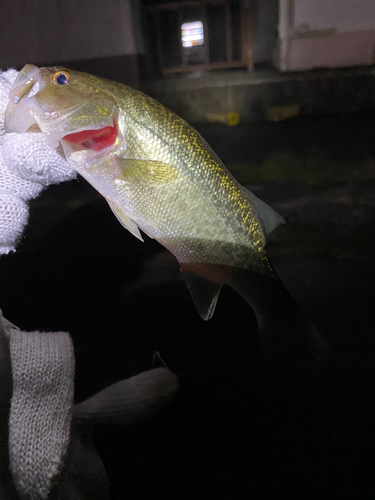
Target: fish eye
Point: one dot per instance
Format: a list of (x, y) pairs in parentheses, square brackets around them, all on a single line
[(61, 78)]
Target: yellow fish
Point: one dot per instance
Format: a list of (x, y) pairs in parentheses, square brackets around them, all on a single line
[(159, 176)]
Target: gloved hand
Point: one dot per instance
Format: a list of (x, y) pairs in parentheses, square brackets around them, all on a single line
[(48, 445), (27, 165)]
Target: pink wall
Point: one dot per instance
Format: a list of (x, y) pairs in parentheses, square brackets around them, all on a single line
[(355, 48), (326, 33), (66, 30)]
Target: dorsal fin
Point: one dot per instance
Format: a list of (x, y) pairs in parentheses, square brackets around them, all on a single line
[(268, 217), (204, 293)]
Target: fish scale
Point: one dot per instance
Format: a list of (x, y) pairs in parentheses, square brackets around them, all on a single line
[(190, 205)]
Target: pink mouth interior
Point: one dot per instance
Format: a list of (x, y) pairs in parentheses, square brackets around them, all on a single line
[(94, 139)]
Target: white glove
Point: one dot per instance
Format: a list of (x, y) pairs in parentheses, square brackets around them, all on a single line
[(27, 165)]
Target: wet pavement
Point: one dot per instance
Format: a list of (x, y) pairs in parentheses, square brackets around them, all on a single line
[(77, 270)]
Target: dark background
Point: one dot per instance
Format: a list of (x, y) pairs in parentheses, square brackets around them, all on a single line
[(78, 270), (227, 435)]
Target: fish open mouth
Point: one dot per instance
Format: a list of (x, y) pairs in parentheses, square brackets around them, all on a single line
[(96, 140)]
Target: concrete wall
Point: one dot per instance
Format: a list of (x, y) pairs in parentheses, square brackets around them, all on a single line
[(326, 33), (41, 31), (251, 96)]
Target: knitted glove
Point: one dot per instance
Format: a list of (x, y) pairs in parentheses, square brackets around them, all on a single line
[(7, 490), (50, 445), (27, 165)]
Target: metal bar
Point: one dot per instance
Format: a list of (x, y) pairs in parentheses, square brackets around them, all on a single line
[(247, 35), (175, 5), (159, 42), (200, 67), (206, 36), (149, 64), (228, 33), (182, 49)]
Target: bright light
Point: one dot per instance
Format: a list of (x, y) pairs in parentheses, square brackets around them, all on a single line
[(192, 34)]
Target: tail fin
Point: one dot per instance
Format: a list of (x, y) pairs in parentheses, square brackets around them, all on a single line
[(287, 337)]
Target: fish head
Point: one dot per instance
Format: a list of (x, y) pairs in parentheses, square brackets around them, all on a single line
[(69, 107)]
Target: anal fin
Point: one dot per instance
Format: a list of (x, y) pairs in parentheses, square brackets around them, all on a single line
[(204, 293)]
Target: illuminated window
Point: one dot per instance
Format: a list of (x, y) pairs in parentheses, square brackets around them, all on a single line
[(199, 35), (192, 34)]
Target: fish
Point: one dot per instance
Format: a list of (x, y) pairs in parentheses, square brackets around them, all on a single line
[(161, 178)]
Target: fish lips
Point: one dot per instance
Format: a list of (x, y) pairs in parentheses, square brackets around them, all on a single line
[(19, 115)]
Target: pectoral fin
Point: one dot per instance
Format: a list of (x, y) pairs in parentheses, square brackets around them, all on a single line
[(204, 293), (144, 171), (125, 221)]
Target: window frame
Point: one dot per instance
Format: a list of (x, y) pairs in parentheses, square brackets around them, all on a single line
[(246, 38)]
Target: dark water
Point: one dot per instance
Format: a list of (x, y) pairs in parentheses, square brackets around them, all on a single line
[(77, 270)]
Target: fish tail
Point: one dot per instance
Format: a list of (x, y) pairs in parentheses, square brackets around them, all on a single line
[(287, 337)]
